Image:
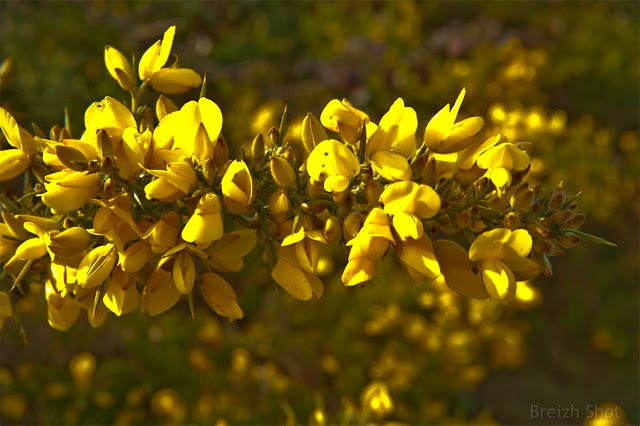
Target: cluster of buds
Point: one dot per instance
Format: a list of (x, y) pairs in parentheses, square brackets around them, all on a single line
[(140, 209)]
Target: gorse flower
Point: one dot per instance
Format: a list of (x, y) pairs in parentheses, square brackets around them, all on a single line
[(138, 213)]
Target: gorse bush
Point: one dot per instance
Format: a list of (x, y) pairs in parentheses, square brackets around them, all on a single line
[(147, 204)]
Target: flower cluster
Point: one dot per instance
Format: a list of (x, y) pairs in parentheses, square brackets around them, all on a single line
[(146, 205)]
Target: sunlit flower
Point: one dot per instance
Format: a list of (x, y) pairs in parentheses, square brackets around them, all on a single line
[(408, 203), (172, 81), (344, 118), (237, 188), (444, 135), (334, 164)]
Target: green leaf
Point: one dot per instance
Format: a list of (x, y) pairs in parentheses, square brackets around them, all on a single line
[(591, 238)]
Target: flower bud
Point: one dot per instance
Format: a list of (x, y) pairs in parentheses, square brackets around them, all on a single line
[(279, 206), (418, 166), (312, 132), (522, 199), (221, 151), (184, 272), (12, 163), (429, 172), (315, 188), (332, 229), (568, 240), (542, 246), (164, 107), (282, 172), (96, 266), (574, 222), (511, 221), (237, 188), (352, 224), (257, 149), (119, 68), (561, 217), (464, 220), (373, 192)]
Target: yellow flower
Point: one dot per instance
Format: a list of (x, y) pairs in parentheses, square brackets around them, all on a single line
[(96, 266), (418, 258), (12, 163), (172, 184), (468, 170), (172, 81), (445, 136), (205, 225), (136, 256), (500, 161), (122, 295), (119, 68), (408, 202), (160, 293), (15, 161), (108, 115), (63, 311), (130, 154), (392, 142), (295, 278), (375, 398), (237, 188), (344, 118), (162, 235), (195, 128), (494, 253), (69, 190), (220, 296), (367, 248), (226, 253), (334, 163)]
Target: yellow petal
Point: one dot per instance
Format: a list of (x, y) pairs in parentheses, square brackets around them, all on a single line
[(31, 249), (456, 268), (331, 158), (220, 296), (391, 166), (489, 244), (175, 81), (122, 296), (523, 268), (136, 256), (114, 60), (13, 162), (518, 244), (498, 280), (160, 294), (407, 226), (165, 48), (96, 266), (184, 273), (147, 61), (419, 255), (288, 274), (358, 271), (63, 311), (16, 135)]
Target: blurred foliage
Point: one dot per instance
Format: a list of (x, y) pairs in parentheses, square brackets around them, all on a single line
[(562, 76)]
